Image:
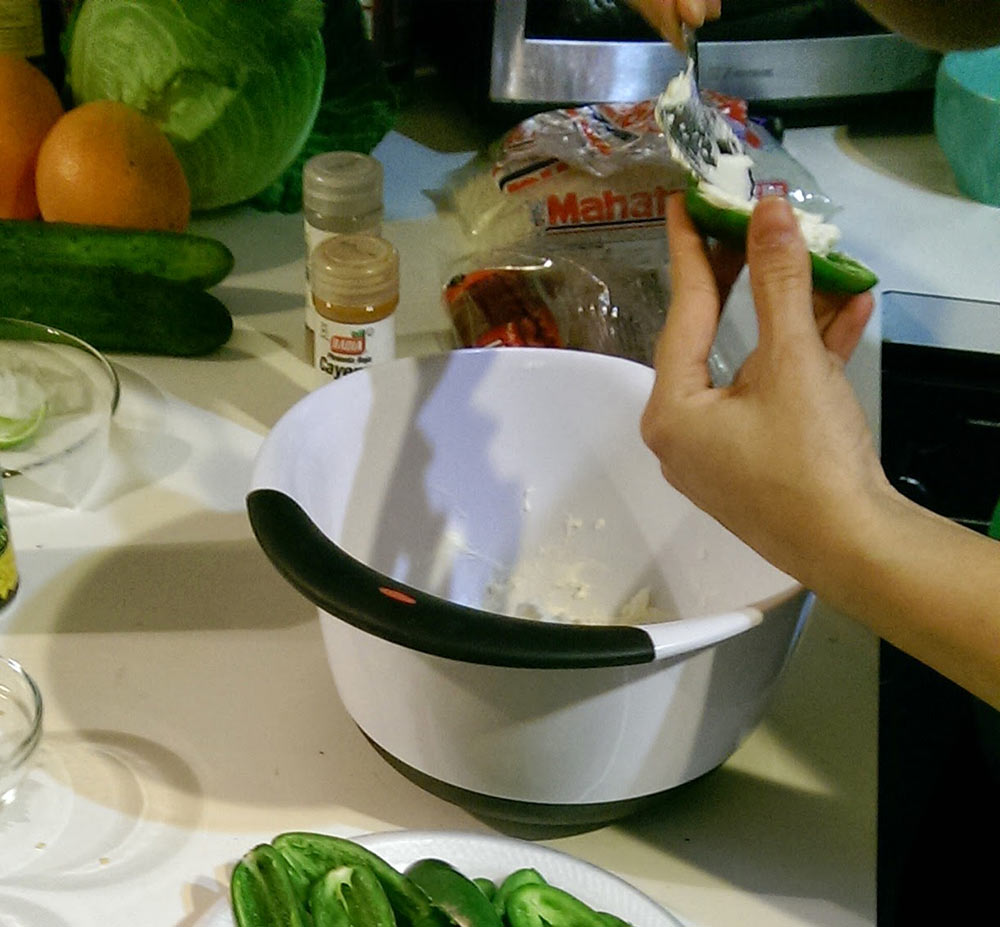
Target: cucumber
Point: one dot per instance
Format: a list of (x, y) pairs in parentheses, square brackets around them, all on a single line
[(180, 256), (117, 311), (833, 272)]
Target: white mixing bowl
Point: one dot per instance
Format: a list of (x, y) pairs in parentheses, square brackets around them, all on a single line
[(447, 515)]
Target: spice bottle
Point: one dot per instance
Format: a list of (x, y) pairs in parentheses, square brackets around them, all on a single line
[(341, 195), (8, 566), (355, 291)]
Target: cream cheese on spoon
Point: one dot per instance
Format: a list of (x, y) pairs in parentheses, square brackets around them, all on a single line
[(820, 237), (725, 177)]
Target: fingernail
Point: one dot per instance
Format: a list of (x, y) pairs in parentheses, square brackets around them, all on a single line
[(693, 12), (778, 221)]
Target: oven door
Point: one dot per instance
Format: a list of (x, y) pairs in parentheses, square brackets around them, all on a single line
[(557, 51), (939, 747), (587, 51)]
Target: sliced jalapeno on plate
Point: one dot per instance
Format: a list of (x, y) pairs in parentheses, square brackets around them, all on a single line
[(310, 856), (487, 886), (519, 877), (262, 891), (456, 894), (536, 904), (350, 896)]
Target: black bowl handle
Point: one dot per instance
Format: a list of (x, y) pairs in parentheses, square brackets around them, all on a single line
[(347, 589)]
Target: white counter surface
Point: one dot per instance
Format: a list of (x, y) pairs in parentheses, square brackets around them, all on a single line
[(189, 709)]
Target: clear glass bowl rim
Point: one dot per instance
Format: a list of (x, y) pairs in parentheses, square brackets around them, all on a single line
[(25, 748), (23, 330)]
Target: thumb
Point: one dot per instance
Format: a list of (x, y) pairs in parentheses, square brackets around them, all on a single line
[(780, 271)]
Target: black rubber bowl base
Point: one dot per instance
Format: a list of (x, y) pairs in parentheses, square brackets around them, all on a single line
[(527, 819)]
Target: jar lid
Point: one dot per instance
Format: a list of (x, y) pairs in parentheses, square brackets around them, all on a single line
[(342, 183), (355, 270)]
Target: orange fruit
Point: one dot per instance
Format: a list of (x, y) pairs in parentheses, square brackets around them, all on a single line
[(105, 163), (29, 107)]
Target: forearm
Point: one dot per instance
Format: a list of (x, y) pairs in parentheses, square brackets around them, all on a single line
[(925, 584), (941, 24), (784, 457)]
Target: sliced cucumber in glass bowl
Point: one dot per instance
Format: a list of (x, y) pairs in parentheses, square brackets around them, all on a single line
[(17, 430), (23, 402), (58, 395)]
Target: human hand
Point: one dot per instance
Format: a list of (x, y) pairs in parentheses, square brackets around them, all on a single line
[(784, 451), (669, 16)]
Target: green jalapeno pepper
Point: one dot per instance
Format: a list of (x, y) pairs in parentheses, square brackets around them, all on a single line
[(833, 272), (310, 856), (456, 894), (487, 886), (350, 896), (538, 905), (612, 920), (516, 879), (262, 893)]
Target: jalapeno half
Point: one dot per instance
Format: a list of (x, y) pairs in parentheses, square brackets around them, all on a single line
[(262, 891), (310, 856), (453, 892), (519, 877), (535, 904), (833, 272), (350, 896)]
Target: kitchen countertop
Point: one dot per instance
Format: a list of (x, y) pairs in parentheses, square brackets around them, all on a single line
[(189, 709)]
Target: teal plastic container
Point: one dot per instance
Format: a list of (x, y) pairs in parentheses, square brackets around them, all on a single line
[(967, 120)]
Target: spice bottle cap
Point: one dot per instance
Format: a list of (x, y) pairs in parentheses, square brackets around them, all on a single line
[(355, 270), (343, 184)]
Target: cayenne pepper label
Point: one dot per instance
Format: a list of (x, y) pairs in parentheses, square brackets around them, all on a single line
[(343, 348), (352, 344)]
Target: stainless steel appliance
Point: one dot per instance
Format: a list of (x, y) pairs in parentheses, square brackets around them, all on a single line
[(939, 748), (785, 51)]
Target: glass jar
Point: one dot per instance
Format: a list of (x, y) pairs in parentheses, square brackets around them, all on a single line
[(341, 195), (355, 291)]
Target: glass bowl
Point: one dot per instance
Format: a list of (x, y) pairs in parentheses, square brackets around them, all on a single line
[(57, 397), (20, 725)]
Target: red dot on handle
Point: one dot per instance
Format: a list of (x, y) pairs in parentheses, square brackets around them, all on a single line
[(397, 595)]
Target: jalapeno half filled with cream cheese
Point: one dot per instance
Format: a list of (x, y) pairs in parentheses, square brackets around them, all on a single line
[(720, 194), (728, 220)]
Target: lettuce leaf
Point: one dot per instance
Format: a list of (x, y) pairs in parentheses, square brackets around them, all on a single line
[(234, 84), (359, 104)]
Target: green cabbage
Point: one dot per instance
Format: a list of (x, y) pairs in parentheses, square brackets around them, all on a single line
[(234, 84), (359, 106)]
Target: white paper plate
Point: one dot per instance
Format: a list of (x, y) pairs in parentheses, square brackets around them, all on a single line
[(495, 857)]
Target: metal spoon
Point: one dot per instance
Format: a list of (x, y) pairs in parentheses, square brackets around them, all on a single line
[(697, 134)]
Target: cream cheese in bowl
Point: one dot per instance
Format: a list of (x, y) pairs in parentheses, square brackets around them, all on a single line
[(493, 498)]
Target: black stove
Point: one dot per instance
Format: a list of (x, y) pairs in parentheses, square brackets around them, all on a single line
[(939, 747)]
